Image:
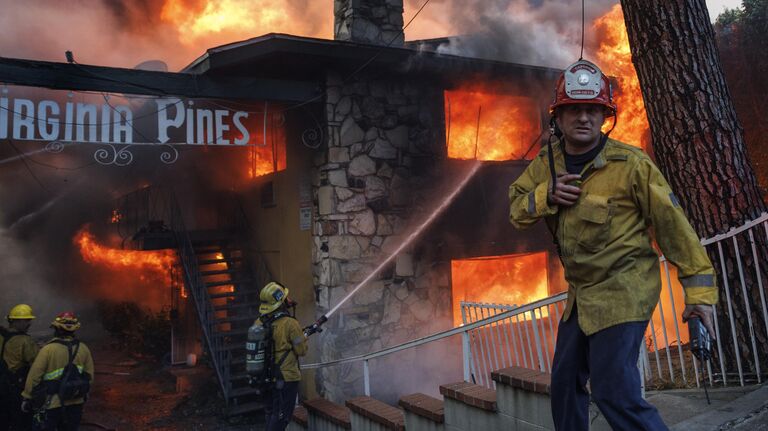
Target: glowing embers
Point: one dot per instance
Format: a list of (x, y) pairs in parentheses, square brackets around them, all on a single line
[(615, 59), (511, 279), (486, 126)]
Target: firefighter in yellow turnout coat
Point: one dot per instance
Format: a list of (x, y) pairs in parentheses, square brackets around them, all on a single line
[(18, 352), (45, 380), (606, 197), (288, 344)]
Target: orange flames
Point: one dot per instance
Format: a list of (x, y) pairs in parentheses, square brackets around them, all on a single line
[(228, 20), (485, 126), (267, 153), (142, 276), (512, 279), (615, 59)]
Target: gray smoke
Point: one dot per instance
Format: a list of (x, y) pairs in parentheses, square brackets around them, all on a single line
[(535, 32)]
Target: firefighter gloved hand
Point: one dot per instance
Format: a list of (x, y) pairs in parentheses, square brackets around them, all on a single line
[(26, 407), (704, 312)]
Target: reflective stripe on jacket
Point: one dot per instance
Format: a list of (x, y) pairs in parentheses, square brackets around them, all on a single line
[(610, 264), (49, 365), (287, 336)]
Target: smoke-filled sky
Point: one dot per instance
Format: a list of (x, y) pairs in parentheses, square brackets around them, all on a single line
[(126, 32)]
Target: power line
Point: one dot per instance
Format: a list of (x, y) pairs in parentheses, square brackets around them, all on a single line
[(29, 169)]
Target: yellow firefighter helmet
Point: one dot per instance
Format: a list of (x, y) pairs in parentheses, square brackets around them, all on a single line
[(272, 296), (20, 312)]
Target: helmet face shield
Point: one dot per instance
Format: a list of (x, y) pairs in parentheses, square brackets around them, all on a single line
[(583, 82)]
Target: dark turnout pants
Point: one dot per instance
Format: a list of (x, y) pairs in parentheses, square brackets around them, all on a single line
[(11, 416), (65, 418), (280, 410), (608, 359)]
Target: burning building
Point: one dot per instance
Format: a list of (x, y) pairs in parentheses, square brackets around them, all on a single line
[(353, 142)]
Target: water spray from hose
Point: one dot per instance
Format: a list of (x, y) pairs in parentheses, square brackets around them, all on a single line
[(317, 326)]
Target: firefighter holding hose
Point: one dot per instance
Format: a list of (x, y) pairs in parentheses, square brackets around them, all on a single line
[(275, 343), (17, 352), (601, 199)]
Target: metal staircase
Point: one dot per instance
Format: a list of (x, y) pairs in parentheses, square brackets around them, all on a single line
[(220, 274)]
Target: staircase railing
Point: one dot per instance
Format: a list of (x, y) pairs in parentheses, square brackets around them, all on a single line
[(199, 293)]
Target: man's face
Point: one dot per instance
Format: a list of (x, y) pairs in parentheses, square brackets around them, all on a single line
[(580, 123)]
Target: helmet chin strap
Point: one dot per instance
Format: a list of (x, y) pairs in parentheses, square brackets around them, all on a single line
[(615, 119)]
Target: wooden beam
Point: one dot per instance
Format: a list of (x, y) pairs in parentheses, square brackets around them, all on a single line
[(66, 76)]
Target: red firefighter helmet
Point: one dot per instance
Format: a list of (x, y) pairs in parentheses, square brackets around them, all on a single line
[(583, 82), (66, 321)]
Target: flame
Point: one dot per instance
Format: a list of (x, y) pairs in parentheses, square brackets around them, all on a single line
[(509, 280), (485, 126), (670, 314), (233, 19), (116, 217), (266, 145), (117, 259), (147, 271), (615, 59)]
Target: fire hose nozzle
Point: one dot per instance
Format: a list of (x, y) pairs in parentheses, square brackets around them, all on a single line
[(315, 327)]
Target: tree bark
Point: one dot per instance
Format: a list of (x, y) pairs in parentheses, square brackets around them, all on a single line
[(699, 146)]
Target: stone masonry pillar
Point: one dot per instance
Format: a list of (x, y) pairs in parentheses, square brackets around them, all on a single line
[(375, 22)]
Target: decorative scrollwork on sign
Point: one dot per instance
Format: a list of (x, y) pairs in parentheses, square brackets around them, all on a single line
[(113, 156), (313, 137), (278, 119), (169, 155), (54, 147)]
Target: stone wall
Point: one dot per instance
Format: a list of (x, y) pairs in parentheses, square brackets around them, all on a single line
[(385, 146), (376, 22)]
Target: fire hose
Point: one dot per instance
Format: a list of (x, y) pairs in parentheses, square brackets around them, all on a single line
[(315, 327)]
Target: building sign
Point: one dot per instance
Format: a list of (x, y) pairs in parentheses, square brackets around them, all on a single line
[(120, 122)]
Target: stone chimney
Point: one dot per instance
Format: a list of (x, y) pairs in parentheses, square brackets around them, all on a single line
[(375, 22)]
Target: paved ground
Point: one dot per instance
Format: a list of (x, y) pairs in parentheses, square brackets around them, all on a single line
[(733, 408)]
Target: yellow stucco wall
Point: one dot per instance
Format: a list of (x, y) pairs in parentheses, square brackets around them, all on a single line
[(279, 239)]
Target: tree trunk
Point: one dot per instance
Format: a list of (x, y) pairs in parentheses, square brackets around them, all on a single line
[(699, 146)]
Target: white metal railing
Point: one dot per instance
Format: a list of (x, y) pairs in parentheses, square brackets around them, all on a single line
[(495, 336), (531, 345)]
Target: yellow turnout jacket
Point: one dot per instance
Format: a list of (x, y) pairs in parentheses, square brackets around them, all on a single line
[(288, 336), (49, 365), (610, 264), (20, 351)]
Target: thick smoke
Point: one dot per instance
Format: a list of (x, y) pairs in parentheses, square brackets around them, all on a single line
[(541, 33), (126, 33)]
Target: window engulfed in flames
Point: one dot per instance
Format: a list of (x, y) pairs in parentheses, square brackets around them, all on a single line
[(511, 279), (267, 145), (487, 126)]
